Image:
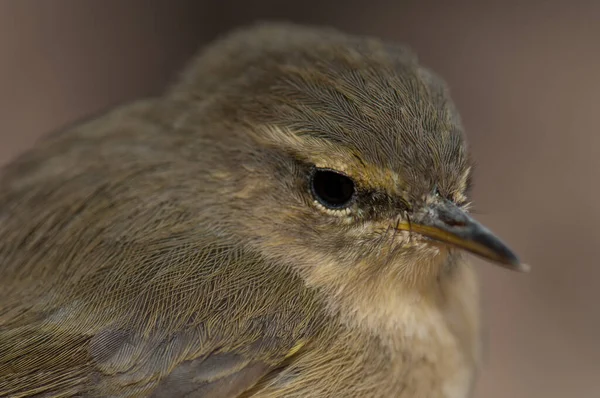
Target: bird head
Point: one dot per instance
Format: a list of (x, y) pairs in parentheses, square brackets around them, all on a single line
[(334, 154)]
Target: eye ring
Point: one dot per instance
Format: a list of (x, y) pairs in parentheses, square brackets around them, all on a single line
[(332, 189)]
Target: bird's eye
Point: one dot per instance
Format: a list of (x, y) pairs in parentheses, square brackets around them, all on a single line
[(332, 189)]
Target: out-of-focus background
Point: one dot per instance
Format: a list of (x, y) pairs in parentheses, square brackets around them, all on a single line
[(525, 75)]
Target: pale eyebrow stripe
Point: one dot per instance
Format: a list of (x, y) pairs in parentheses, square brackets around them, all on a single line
[(331, 157)]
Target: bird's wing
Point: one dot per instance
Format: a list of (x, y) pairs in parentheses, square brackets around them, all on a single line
[(48, 365), (179, 334), (221, 375), (44, 365), (116, 301)]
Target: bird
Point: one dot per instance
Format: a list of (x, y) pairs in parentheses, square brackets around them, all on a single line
[(289, 218)]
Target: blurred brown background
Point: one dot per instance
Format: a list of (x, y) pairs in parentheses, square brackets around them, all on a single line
[(525, 77)]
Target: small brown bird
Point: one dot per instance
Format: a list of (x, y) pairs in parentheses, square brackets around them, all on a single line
[(288, 220)]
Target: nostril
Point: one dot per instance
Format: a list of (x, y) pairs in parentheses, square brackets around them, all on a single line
[(455, 223), (452, 221)]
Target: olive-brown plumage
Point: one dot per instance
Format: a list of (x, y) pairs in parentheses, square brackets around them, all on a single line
[(283, 222)]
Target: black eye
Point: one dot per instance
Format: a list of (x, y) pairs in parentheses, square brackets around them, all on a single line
[(332, 189)]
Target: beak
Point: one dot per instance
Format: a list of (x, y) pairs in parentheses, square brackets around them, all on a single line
[(447, 223)]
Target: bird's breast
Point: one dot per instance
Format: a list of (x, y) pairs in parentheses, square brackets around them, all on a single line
[(424, 360), (411, 346), (357, 365)]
